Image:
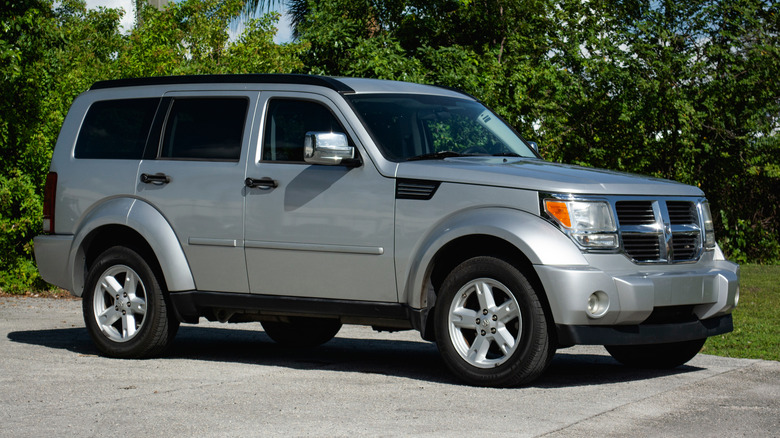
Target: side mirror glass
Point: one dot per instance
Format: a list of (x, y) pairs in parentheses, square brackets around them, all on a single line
[(330, 148)]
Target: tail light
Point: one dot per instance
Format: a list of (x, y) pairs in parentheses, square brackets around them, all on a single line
[(49, 195)]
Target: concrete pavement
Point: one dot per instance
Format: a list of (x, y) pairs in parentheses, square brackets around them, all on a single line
[(232, 380)]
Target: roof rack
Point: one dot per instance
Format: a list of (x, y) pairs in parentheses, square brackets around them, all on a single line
[(323, 81)]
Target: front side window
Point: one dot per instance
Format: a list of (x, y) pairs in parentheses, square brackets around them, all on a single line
[(116, 129), (408, 126), (205, 129), (287, 123)]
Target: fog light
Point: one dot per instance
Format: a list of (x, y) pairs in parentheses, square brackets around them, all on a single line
[(598, 304)]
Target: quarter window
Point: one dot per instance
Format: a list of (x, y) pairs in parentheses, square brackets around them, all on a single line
[(205, 129), (116, 129)]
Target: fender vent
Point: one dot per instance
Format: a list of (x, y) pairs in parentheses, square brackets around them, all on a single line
[(415, 189)]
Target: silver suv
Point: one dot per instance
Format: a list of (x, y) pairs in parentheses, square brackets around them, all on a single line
[(308, 202)]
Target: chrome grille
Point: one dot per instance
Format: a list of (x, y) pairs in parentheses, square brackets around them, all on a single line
[(681, 212), (642, 247), (685, 246), (635, 212), (659, 230)]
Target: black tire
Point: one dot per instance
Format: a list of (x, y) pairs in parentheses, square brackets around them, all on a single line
[(470, 332), (124, 306), (301, 331), (656, 356)]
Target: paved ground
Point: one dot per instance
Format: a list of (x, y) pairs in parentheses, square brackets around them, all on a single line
[(222, 380)]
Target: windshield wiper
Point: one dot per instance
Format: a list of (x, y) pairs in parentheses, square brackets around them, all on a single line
[(435, 156), (507, 154)]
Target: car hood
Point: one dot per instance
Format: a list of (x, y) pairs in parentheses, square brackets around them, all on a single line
[(540, 175)]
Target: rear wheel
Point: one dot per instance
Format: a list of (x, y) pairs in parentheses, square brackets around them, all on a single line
[(301, 331), (124, 306), (491, 328), (658, 356)]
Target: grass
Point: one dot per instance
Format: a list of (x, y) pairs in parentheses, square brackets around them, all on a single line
[(756, 332)]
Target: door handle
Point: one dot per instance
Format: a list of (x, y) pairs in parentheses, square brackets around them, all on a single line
[(263, 183), (157, 178)]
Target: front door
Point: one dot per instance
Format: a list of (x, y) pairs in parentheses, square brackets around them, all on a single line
[(315, 230)]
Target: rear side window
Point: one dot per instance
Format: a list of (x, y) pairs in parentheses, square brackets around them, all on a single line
[(205, 129), (116, 129)]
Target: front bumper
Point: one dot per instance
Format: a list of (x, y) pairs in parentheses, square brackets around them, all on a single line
[(709, 288), (643, 333)]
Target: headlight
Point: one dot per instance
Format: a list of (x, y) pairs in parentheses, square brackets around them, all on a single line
[(589, 223), (709, 229)]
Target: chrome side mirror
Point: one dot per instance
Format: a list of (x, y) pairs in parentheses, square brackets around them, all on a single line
[(534, 145), (330, 148)]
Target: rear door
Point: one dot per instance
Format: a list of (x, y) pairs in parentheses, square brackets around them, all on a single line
[(195, 179)]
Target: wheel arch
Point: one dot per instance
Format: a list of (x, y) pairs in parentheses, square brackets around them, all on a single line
[(470, 246), (518, 237), (135, 224)]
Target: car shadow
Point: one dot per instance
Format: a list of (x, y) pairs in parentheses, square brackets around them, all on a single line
[(575, 369), (408, 359)]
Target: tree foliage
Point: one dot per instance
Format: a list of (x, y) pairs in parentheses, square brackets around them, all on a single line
[(52, 51), (685, 89), (47, 56)]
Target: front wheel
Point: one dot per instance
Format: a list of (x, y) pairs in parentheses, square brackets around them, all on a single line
[(124, 306), (491, 328), (657, 356)]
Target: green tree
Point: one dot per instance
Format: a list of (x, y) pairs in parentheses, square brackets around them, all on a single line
[(47, 56), (50, 52), (684, 89), (192, 37)]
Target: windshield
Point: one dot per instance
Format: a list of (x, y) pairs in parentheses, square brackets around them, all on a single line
[(408, 126)]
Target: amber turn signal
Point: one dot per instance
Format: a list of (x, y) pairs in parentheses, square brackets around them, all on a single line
[(559, 211)]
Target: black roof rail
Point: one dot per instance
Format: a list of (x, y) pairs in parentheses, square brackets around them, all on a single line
[(323, 81)]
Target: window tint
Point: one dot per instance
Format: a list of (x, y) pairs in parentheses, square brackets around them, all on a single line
[(205, 129), (116, 129), (286, 126)]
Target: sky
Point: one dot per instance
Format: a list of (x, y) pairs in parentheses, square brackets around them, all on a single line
[(283, 36)]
